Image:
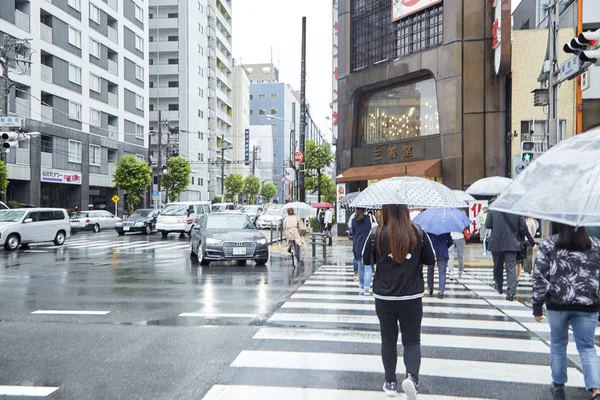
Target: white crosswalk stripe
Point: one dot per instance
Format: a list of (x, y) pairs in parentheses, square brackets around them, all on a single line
[(474, 333), (100, 246)]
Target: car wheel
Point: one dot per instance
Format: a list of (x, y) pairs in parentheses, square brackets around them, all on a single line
[(147, 230), (59, 239), (241, 263), (201, 259), (164, 234), (262, 261), (121, 233), (96, 228), (12, 242)]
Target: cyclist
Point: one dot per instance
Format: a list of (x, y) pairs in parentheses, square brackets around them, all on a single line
[(294, 230)]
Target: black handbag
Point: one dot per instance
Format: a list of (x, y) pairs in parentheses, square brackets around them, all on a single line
[(522, 253)]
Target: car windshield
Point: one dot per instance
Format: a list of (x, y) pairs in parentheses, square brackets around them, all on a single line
[(251, 209), (77, 215), (141, 213), (228, 221), (218, 208), (273, 211), (11, 216), (174, 209)]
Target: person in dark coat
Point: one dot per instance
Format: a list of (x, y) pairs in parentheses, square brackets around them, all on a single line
[(508, 230), (441, 244), (362, 224)]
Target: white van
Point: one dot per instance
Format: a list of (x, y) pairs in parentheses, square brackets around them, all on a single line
[(23, 226), (180, 217)]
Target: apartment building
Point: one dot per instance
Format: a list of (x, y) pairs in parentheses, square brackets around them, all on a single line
[(242, 149), (84, 92), (190, 88)]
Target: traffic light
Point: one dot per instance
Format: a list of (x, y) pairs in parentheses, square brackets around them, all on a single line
[(592, 40), (10, 140), (527, 151)]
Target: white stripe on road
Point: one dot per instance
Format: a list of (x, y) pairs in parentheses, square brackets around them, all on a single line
[(31, 391), (347, 289), (227, 392), (481, 370), (373, 320), (350, 297), (70, 312), (96, 243), (217, 315)]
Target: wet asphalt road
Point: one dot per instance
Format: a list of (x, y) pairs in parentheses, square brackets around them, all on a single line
[(134, 342)]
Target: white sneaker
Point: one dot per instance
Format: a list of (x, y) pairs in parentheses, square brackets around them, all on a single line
[(367, 292)]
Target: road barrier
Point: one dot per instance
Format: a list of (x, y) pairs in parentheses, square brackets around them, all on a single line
[(318, 239)]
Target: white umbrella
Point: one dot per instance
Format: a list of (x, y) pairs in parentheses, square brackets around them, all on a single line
[(562, 185), (490, 186), (464, 195), (411, 191), (302, 210)]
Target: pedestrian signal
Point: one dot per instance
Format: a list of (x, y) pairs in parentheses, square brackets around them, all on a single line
[(528, 151)]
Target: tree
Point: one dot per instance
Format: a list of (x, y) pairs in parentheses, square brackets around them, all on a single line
[(3, 177), (251, 187), (134, 177), (317, 157), (234, 185), (269, 190), (328, 189), (177, 178)]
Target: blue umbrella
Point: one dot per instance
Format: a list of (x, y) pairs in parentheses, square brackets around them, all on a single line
[(442, 220)]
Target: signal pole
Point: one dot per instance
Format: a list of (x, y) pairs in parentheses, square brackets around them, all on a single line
[(301, 191)]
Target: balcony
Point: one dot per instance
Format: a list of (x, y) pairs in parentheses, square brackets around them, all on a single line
[(22, 20), (226, 42), (113, 67), (113, 34), (164, 69), (164, 23), (22, 107), (223, 116), (164, 46), (46, 73), (168, 115), (113, 132), (113, 99), (164, 92), (225, 78), (225, 60), (47, 114), (224, 97), (46, 32), (114, 4)]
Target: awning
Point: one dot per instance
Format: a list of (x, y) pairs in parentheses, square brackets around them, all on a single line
[(429, 168)]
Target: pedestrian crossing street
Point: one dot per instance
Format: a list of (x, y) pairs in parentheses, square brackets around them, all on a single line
[(105, 242), (324, 343)]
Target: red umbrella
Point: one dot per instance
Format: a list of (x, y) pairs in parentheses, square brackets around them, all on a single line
[(323, 205)]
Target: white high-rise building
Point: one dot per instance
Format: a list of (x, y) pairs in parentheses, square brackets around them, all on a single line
[(85, 91), (241, 122), (190, 84)]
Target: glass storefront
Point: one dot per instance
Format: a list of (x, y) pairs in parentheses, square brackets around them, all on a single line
[(400, 112)]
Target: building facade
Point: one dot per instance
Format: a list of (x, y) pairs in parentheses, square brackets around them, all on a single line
[(191, 85), (84, 91), (242, 151), (422, 90)]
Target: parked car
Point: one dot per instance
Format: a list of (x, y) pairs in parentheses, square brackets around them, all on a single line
[(93, 221), (33, 225), (142, 220), (253, 212), (3, 206), (180, 217), (220, 207), (228, 236), (270, 218)]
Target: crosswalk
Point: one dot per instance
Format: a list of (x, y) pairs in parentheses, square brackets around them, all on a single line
[(324, 343), (111, 243)]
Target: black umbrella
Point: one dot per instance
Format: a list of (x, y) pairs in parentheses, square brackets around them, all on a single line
[(347, 199)]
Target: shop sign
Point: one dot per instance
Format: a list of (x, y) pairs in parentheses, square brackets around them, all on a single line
[(404, 8), (56, 176), (247, 147), (341, 192), (408, 150), (392, 153), (475, 208), (501, 24)]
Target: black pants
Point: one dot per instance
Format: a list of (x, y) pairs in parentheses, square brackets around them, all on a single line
[(408, 314)]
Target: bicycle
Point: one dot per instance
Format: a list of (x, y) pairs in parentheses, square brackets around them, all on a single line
[(292, 251)]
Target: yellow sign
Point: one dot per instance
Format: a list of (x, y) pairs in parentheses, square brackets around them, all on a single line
[(408, 150), (116, 198)]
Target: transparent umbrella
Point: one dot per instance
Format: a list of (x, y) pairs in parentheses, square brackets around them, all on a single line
[(302, 210), (562, 185), (411, 191), (490, 186), (464, 195)]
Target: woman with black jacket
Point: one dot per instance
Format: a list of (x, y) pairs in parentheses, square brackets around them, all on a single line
[(400, 249)]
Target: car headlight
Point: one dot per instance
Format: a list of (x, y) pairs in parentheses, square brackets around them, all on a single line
[(139, 223), (262, 241), (213, 241), (119, 223)]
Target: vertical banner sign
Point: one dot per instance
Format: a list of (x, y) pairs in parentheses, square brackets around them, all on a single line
[(475, 208), (339, 212), (247, 146), (334, 102)]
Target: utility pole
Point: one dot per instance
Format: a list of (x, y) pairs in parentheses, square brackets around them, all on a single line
[(552, 68), (222, 169), (578, 92), (150, 164), (293, 149), (254, 159), (301, 191), (159, 166)]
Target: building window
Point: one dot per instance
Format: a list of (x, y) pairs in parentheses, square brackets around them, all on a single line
[(200, 157), (95, 117), (200, 50), (200, 92), (262, 96), (140, 157), (173, 84), (95, 83), (200, 71), (94, 13), (139, 102), (200, 7), (274, 141), (75, 111), (139, 131), (262, 111), (200, 28), (76, 4), (398, 113), (201, 135), (201, 181), (95, 155), (192, 180), (112, 156), (74, 37), (201, 114), (139, 73), (173, 38), (75, 151), (139, 13), (173, 107), (173, 15), (251, 97), (273, 111), (94, 48), (251, 112), (376, 38), (273, 96), (173, 61), (47, 145), (74, 74), (139, 43)]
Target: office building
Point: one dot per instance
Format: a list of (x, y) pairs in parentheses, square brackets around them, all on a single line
[(242, 154), (84, 91)]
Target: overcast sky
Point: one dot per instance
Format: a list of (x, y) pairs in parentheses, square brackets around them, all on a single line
[(262, 25)]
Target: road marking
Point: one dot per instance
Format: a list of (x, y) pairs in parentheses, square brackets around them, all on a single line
[(481, 370), (32, 391), (218, 315), (356, 297), (70, 312), (224, 392), (492, 294), (373, 320)]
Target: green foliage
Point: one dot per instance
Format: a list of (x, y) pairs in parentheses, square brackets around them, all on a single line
[(134, 177), (318, 156), (177, 178), (327, 189), (251, 187), (234, 185), (3, 177), (217, 199), (269, 190), (13, 204)]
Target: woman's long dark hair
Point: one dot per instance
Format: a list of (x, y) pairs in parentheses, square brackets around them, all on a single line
[(396, 231), (571, 238)]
